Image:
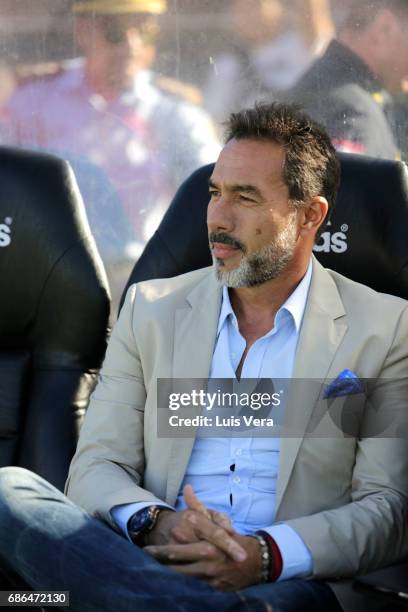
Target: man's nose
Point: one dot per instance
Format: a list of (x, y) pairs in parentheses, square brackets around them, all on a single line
[(220, 215)]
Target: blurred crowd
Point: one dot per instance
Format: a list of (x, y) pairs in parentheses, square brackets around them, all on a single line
[(134, 92)]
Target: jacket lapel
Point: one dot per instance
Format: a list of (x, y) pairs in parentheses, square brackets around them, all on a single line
[(322, 331), (195, 329)]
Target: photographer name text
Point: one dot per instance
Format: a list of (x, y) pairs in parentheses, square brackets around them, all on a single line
[(218, 421)]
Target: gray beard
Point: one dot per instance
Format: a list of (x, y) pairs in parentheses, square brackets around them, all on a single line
[(264, 265)]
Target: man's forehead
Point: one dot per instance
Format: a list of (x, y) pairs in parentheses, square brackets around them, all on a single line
[(250, 159)]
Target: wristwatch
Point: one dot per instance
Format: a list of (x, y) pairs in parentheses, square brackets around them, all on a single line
[(141, 522)]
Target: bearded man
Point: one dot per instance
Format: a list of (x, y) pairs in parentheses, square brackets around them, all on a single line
[(226, 521)]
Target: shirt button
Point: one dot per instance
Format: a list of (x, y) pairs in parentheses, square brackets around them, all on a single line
[(238, 452), (237, 479)]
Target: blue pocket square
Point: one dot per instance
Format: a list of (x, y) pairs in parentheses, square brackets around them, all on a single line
[(347, 383)]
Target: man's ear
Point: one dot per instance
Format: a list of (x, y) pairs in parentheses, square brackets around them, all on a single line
[(313, 215)]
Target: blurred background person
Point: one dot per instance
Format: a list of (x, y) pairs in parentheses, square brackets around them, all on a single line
[(340, 10), (274, 42), (123, 115), (110, 109), (350, 89), (401, 114), (8, 84)]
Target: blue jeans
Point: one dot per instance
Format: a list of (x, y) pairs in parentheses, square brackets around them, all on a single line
[(54, 545)]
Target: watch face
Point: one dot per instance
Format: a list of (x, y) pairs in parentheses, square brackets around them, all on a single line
[(139, 522)]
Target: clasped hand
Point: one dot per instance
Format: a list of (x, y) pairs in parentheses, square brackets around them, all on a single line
[(202, 543)]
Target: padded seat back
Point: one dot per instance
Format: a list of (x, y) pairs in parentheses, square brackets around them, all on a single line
[(365, 239), (54, 311)]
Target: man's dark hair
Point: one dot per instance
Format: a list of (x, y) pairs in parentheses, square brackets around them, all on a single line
[(311, 166), (363, 12)]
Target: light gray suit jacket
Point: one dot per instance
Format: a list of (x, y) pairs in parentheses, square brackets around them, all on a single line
[(346, 498)]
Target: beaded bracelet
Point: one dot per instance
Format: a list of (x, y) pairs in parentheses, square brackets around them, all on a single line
[(276, 564), (265, 557)]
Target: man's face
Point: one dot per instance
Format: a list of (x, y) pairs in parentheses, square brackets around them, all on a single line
[(396, 69), (120, 41), (252, 226), (388, 47), (258, 25)]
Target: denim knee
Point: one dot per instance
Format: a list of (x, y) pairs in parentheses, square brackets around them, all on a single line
[(12, 478), (16, 485)]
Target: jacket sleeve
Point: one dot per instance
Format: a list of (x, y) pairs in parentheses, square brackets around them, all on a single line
[(371, 530), (108, 465)]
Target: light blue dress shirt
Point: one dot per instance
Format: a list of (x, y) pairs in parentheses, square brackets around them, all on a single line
[(238, 475)]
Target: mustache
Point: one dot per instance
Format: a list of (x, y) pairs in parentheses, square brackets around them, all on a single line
[(223, 238)]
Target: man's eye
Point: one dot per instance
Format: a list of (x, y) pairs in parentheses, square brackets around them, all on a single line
[(214, 193), (246, 198)]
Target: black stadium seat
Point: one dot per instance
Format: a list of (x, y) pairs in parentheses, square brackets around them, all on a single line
[(54, 311), (366, 238)]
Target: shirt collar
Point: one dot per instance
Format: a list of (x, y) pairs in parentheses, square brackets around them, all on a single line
[(294, 305)]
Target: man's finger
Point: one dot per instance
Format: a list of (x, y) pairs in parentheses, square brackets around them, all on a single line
[(183, 553), (193, 502), (223, 520), (206, 530), (219, 518), (206, 570), (221, 585)]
